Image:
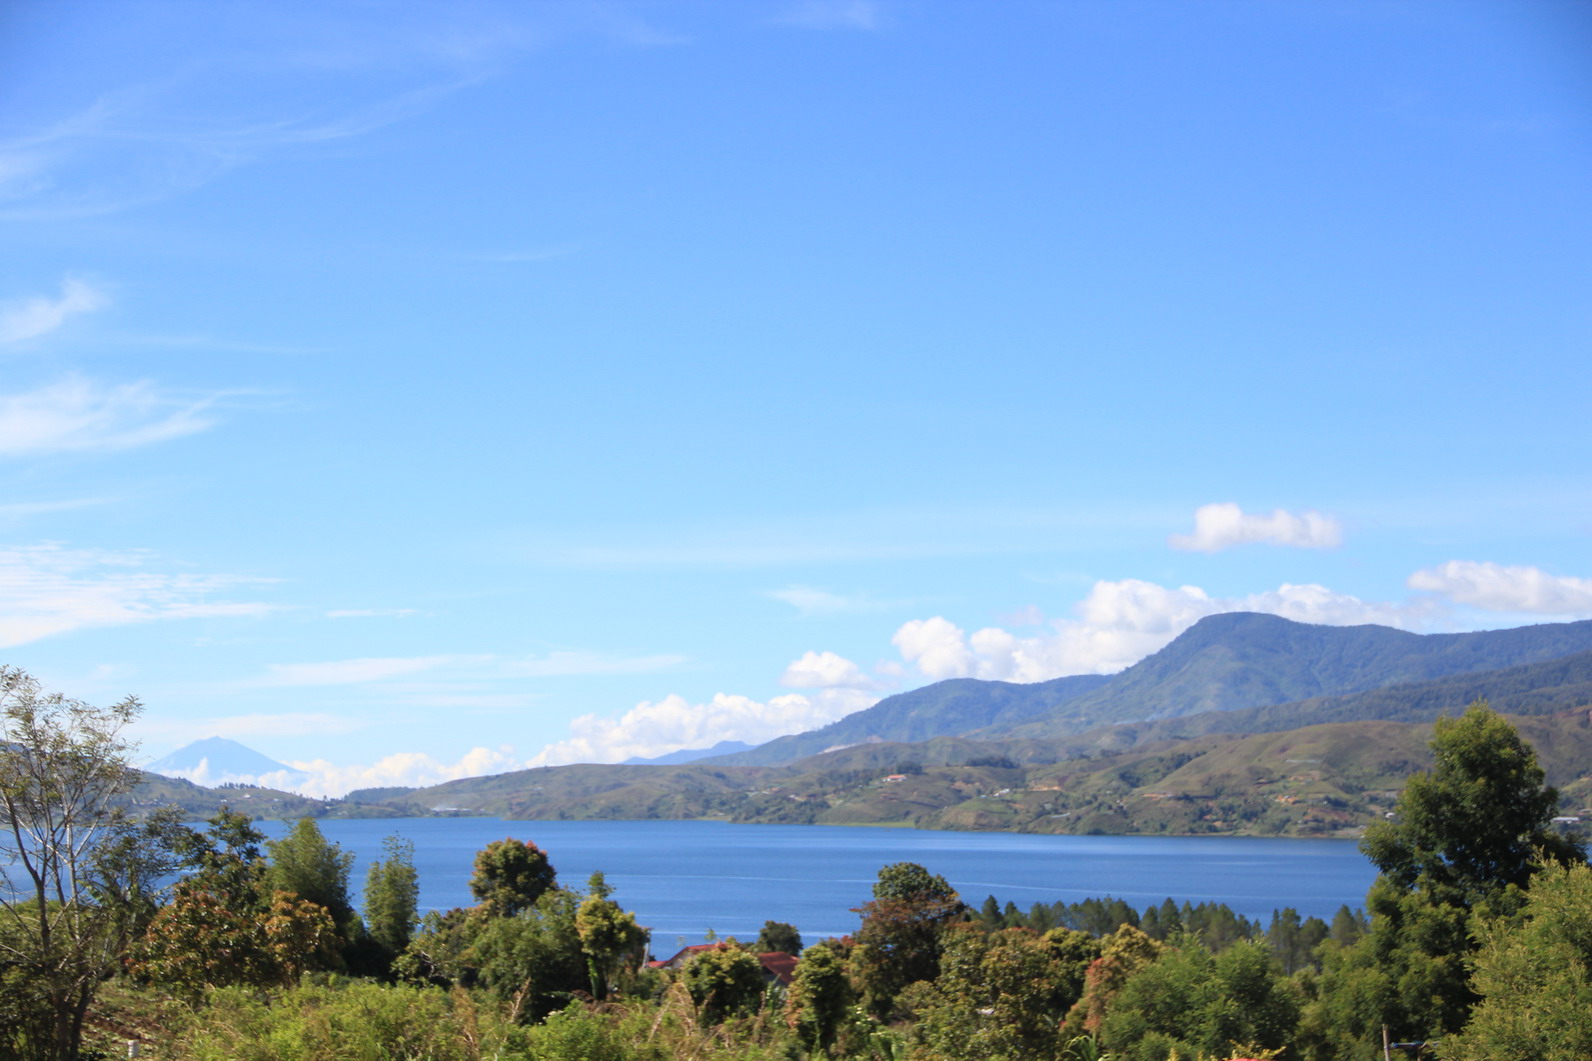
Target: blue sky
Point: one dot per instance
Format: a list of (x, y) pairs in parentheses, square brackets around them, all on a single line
[(409, 390)]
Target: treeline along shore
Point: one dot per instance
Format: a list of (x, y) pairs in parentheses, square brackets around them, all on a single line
[(206, 943)]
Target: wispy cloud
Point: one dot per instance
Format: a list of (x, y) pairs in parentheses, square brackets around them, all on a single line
[(1222, 526), (832, 15), (1495, 587), (372, 613), (49, 589), (810, 601), (472, 666), (29, 318), (77, 415)]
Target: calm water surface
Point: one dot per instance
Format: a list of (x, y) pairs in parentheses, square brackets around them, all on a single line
[(684, 878)]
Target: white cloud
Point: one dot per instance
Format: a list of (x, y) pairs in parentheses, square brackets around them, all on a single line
[(1118, 624), (824, 670), (1222, 526), (33, 317), (76, 415), (1495, 587), (49, 589), (654, 728), (411, 769)]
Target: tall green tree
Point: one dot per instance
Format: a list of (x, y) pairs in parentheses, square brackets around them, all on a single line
[(723, 980), (779, 936), (609, 937), (510, 875), (1464, 840), (76, 877), (898, 942), (815, 1006), (392, 895), (305, 864)]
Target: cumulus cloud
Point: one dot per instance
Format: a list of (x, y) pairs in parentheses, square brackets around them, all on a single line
[(50, 589), (30, 318), (1117, 624), (319, 777), (1222, 526), (654, 728), (1496, 587), (77, 415), (824, 670)]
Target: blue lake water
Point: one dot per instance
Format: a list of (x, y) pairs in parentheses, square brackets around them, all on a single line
[(683, 878)]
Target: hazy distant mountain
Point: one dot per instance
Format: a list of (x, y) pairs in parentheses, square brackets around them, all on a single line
[(217, 761), (691, 755)]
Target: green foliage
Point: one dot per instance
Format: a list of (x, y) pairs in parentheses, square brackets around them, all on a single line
[(610, 939), (1479, 821), (344, 1022), (77, 879), (723, 980), (1199, 1003), (199, 941), (999, 997), (1533, 974), (779, 936), (510, 875), (304, 863), (1123, 953), (819, 997), (392, 891), (899, 940), (1465, 839)]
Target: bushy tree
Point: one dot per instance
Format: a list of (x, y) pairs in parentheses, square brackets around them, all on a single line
[(723, 980), (779, 936), (1533, 975), (898, 942), (198, 942), (1196, 1003), (510, 875), (999, 997)]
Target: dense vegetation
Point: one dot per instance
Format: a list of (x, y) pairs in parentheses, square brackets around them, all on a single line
[(1477, 943)]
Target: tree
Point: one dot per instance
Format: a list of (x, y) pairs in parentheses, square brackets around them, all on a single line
[(392, 892), (304, 863), (76, 876), (779, 936), (1534, 976), (510, 875), (899, 940), (819, 993), (999, 997), (608, 935), (1479, 821), (723, 980), (1464, 841)]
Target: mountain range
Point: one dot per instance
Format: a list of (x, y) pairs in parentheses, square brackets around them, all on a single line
[(1244, 723)]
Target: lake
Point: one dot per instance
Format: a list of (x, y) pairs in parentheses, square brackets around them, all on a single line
[(683, 878)]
